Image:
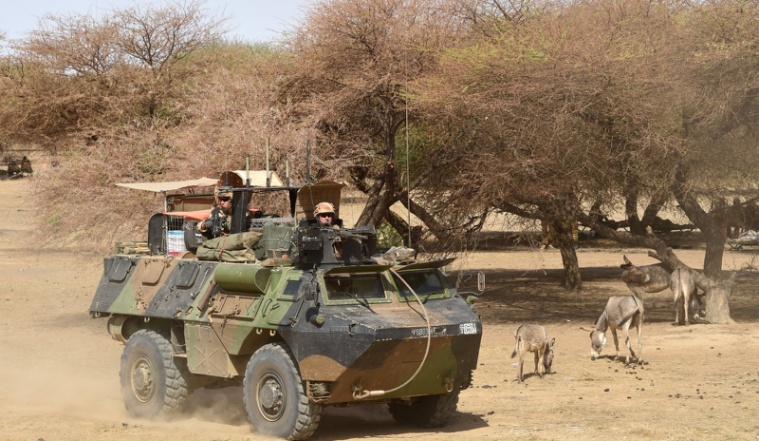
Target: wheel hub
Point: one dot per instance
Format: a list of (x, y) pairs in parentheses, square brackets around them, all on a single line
[(142, 380), (270, 399)]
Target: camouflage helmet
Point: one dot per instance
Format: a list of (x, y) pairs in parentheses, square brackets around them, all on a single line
[(323, 207)]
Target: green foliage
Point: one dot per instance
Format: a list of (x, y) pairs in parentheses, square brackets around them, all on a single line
[(54, 220), (421, 150), (153, 161), (387, 236), (231, 56)]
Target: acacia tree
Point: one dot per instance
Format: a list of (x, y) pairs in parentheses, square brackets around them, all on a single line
[(636, 113), (85, 75), (110, 94), (716, 108), (60, 76), (544, 99), (720, 128), (158, 39), (356, 59)]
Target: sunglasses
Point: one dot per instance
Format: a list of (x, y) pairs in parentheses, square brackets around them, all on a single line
[(225, 198), (325, 214)]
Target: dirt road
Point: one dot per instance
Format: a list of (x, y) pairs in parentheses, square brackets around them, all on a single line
[(59, 367)]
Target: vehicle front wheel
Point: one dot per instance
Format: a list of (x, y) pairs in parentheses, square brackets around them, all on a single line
[(429, 411), (275, 397), (152, 382)]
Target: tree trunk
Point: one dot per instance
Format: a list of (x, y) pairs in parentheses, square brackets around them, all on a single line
[(565, 241), (435, 228), (637, 224), (718, 305), (631, 212), (384, 191), (372, 205), (716, 287), (715, 250), (402, 227), (572, 278), (718, 292)]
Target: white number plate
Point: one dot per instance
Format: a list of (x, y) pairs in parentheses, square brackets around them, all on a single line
[(468, 328)]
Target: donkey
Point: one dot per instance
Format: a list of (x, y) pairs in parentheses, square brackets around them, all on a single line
[(644, 279), (654, 278), (685, 295), (621, 312), (533, 338)]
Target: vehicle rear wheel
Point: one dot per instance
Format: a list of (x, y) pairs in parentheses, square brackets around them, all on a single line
[(428, 411), (275, 397), (152, 382)]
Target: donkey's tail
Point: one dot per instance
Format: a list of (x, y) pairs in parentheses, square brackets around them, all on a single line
[(517, 341)]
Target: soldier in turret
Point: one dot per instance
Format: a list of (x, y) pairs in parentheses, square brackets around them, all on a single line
[(220, 220), (324, 213)]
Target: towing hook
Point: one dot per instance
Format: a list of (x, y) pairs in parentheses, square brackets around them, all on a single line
[(448, 383), (359, 393)]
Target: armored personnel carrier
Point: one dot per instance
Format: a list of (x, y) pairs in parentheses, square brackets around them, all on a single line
[(317, 318)]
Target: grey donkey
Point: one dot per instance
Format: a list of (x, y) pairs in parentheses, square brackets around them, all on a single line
[(644, 279), (654, 278), (533, 338), (685, 295), (621, 312)]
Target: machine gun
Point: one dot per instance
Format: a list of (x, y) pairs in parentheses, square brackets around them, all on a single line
[(215, 223), (335, 246)]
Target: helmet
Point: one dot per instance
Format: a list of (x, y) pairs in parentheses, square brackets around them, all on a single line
[(220, 193), (324, 207)]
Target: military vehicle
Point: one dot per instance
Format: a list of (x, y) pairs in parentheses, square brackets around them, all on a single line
[(318, 318), (17, 167)]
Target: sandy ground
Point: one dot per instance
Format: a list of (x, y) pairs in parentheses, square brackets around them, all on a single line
[(59, 367)]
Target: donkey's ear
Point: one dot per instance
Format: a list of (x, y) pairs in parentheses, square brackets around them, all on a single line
[(553, 342)]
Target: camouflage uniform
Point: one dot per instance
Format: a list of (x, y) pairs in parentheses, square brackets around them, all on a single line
[(219, 217), (231, 248)]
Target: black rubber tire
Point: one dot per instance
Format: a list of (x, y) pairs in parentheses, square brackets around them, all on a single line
[(466, 383), (153, 383), (430, 411), (275, 397)]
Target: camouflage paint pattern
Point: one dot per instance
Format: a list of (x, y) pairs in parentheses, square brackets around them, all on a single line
[(228, 310), (220, 313)]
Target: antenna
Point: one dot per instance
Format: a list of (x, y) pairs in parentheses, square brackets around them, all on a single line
[(268, 178), (308, 161), (247, 171), (408, 173)]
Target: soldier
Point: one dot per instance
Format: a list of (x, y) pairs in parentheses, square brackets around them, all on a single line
[(220, 220), (324, 213), (14, 167), (26, 165)]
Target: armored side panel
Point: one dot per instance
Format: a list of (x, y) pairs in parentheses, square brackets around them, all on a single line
[(150, 286), (206, 354), (248, 308)]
